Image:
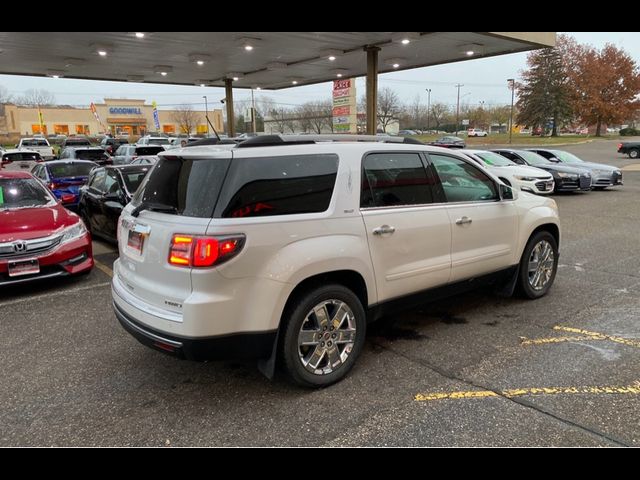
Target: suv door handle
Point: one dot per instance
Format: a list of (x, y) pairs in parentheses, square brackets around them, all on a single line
[(383, 229), (463, 221)]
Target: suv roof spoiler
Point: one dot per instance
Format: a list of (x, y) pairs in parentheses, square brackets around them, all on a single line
[(279, 139)]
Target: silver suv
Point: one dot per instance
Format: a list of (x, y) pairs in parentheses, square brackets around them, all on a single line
[(286, 246)]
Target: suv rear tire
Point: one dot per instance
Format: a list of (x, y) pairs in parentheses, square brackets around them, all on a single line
[(323, 335), (634, 153), (538, 265)]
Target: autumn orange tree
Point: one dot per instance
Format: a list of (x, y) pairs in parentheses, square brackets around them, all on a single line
[(604, 84)]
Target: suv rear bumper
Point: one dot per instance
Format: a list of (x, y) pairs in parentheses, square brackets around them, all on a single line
[(244, 346)]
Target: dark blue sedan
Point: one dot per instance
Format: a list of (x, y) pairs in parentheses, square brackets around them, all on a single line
[(65, 177)]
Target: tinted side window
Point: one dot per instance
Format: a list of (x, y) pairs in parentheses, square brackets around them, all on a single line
[(463, 182), (395, 179), (278, 186), (510, 156), (111, 184), (98, 180)]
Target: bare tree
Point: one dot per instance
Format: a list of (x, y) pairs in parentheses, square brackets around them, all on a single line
[(439, 113), (5, 97), (316, 115), (279, 116), (186, 118), (389, 107), (37, 97)]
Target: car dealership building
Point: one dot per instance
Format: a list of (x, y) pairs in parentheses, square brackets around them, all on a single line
[(115, 116)]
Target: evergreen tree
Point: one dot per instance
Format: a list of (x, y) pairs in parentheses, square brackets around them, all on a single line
[(544, 93)]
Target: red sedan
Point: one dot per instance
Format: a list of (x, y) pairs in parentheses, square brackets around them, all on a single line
[(39, 238)]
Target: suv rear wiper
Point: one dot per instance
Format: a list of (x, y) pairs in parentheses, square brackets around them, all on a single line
[(155, 207)]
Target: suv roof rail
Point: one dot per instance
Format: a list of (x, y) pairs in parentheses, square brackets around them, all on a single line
[(279, 139)]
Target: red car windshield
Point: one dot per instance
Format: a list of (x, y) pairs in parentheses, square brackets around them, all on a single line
[(23, 193)]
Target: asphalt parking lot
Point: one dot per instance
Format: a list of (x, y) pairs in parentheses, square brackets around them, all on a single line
[(475, 370)]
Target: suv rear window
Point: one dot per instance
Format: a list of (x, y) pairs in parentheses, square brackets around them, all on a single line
[(149, 150), (22, 156), (287, 185), (252, 186), (90, 154), (190, 186)]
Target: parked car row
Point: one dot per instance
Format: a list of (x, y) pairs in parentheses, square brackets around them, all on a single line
[(198, 228)]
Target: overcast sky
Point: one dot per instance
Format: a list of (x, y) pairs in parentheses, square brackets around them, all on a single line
[(484, 80)]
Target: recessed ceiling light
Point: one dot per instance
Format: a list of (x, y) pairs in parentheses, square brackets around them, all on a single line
[(294, 82), (139, 34), (248, 44), (163, 69), (235, 76), (68, 62), (199, 58), (340, 72), (395, 62), (102, 50), (404, 38), (470, 49), (55, 73), (331, 54), (258, 88)]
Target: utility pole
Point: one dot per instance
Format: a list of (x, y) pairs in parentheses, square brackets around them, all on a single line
[(513, 89), (458, 107), (206, 113), (428, 105), (253, 113)]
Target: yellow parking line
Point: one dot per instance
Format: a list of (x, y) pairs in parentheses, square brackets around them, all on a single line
[(541, 341), (101, 266), (599, 336), (634, 388)]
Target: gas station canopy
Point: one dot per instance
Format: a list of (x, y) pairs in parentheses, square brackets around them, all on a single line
[(268, 60)]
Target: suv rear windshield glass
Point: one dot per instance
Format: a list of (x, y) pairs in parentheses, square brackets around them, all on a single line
[(90, 154), (190, 186), (158, 141), (150, 150), (71, 169), (22, 156), (77, 141), (278, 186)]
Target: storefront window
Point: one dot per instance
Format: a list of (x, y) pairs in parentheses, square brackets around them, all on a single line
[(169, 129), (60, 129), (202, 129), (35, 128), (82, 129)]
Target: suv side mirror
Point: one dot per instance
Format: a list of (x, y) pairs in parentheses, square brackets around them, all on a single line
[(507, 192)]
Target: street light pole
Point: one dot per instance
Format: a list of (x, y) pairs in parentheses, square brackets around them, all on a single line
[(206, 113), (428, 106), (458, 107), (253, 113), (513, 89)]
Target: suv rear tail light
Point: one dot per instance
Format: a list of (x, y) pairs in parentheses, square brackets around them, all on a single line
[(195, 251)]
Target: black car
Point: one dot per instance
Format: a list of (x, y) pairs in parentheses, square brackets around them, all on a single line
[(107, 191), (449, 142), (93, 154), (630, 148), (110, 144), (566, 178)]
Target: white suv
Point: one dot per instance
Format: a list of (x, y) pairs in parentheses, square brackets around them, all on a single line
[(285, 246), (476, 132)]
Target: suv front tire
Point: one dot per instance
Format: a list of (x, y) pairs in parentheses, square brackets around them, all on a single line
[(538, 265), (324, 333)]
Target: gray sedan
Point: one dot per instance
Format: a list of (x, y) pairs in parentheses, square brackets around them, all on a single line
[(603, 175)]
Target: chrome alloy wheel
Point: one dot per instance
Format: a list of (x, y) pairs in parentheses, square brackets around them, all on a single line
[(541, 264), (326, 337)]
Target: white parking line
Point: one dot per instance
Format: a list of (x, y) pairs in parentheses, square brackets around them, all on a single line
[(32, 298)]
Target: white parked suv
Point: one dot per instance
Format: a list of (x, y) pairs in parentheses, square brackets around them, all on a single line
[(286, 246), (476, 132), (522, 177)]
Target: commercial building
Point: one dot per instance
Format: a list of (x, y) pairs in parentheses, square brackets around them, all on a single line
[(115, 116)]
